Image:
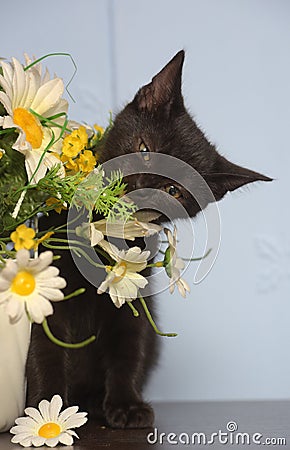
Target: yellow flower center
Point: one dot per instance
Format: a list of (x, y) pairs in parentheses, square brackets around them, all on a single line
[(120, 271), (23, 283), (49, 430), (30, 125)]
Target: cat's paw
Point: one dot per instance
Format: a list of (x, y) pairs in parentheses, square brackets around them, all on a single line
[(137, 415)]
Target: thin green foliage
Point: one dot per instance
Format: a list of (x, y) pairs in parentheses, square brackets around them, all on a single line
[(104, 195), (57, 54)]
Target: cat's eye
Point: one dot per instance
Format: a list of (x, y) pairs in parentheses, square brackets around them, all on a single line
[(144, 150), (173, 191)]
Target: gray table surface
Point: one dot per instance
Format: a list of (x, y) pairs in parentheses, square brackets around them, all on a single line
[(177, 422)]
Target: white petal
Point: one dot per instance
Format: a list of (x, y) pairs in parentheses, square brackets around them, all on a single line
[(43, 261), (45, 305), (47, 96), (18, 438), (7, 72), (6, 86), (34, 413), (104, 285), (22, 258), (181, 288), (72, 433), (38, 441), (46, 76), (10, 270), (55, 407), (111, 249), (51, 161), (26, 442), (21, 144), (44, 410), (185, 284), (135, 254), (66, 439), (117, 299), (6, 102), (54, 282), (38, 308), (95, 235), (60, 107), (127, 289), (179, 264), (51, 294), (45, 274), (67, 413), (33, 83), (76, 420), (26, 422), (19, 83), (19, 429), (31, 162), (52, 442)]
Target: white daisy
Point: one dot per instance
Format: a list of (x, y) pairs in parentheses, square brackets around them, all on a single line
[(47, 425), (123, 280), (173, 265), (24, 92), (28, 285)]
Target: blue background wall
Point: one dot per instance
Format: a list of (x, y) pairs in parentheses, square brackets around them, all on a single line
[(234, 328)]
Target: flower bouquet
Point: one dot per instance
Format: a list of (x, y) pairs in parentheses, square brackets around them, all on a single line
[(50, 163)]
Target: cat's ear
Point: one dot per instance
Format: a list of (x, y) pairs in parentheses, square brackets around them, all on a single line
[(228, 177), (164, 89)]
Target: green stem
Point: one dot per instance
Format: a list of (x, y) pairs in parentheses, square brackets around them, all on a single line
[(74, 249), (71, 241), (150, 318), (56, 231), (7, 131), (103, 253), (45, 120), (64, 344), (199, 258), (157, 264), (70, 222), (57, 54), (134, 310), (75, 293)]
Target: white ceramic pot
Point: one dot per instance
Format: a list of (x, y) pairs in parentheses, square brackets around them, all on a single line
[(14, 342)]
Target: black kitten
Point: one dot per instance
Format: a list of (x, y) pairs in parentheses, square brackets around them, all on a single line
[(106, 378)]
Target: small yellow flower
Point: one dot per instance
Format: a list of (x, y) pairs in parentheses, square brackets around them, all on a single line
[(2, 153), (100, 130), (23, 237), (69, 163), (43, 238), (75, 142), (71, 147), (81, 134), (86, 161), (56, 203)]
